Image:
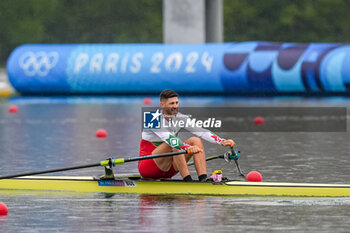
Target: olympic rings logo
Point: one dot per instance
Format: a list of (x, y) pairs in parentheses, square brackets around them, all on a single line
[(39, 63)]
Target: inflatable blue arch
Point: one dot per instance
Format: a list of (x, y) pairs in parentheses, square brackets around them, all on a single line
[(226, 68)]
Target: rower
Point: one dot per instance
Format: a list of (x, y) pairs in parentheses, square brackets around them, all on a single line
[(165, 140)]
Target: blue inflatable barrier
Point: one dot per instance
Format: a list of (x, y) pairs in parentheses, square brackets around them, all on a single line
[(245, 67)]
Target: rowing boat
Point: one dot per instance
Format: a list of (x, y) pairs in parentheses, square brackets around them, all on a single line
[(171, 187), (111, 183)]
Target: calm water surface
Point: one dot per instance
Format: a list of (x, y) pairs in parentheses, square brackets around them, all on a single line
[(57, 132)]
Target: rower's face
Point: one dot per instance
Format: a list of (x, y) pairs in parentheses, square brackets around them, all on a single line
[(170, 106)]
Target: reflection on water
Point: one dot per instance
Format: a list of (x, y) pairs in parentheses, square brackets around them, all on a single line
[(152, 213), (58, 132)]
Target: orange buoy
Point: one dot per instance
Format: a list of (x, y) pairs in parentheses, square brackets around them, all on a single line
[(147, 101), (254, 176), (101, 133), (3, 209), (259, 120), (13, 109)]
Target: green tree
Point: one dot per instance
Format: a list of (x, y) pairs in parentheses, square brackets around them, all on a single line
[(287, 20), (78, 21), (140, 21)]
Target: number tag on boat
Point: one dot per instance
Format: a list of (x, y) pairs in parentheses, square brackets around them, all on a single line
[(120, 183)]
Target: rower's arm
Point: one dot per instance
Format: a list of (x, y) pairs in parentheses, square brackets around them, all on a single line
[(207, 135), (213, 138)]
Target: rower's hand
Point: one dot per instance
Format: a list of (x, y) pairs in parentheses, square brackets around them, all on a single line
[(194, 150), (228, 142)]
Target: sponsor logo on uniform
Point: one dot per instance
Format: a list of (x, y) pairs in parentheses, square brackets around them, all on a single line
[(174, 142)]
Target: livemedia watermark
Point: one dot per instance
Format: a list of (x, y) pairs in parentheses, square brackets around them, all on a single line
[(242, 119)]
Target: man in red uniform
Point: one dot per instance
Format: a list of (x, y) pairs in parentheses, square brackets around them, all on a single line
[(155, 141)]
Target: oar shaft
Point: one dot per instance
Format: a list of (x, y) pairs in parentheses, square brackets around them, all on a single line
[(239, 168), (208, 159), (215, 157), (49, 171), (104, 163), (235, 157)]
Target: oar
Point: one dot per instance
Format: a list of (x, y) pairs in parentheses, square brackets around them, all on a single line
[(104, 163), (228, 156), (235, 157), (208, 159)]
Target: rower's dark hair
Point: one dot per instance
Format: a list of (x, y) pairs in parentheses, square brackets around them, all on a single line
[(166, 94)]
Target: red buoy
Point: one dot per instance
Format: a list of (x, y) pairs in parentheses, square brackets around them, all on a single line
[(254, 176), (259, 120), (13, 109), (101, 133), (147, 101), (3, 209)]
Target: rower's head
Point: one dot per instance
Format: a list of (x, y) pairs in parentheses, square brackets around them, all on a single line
[(169, 102)]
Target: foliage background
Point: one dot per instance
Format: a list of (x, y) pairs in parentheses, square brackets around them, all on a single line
[(140, 21)]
